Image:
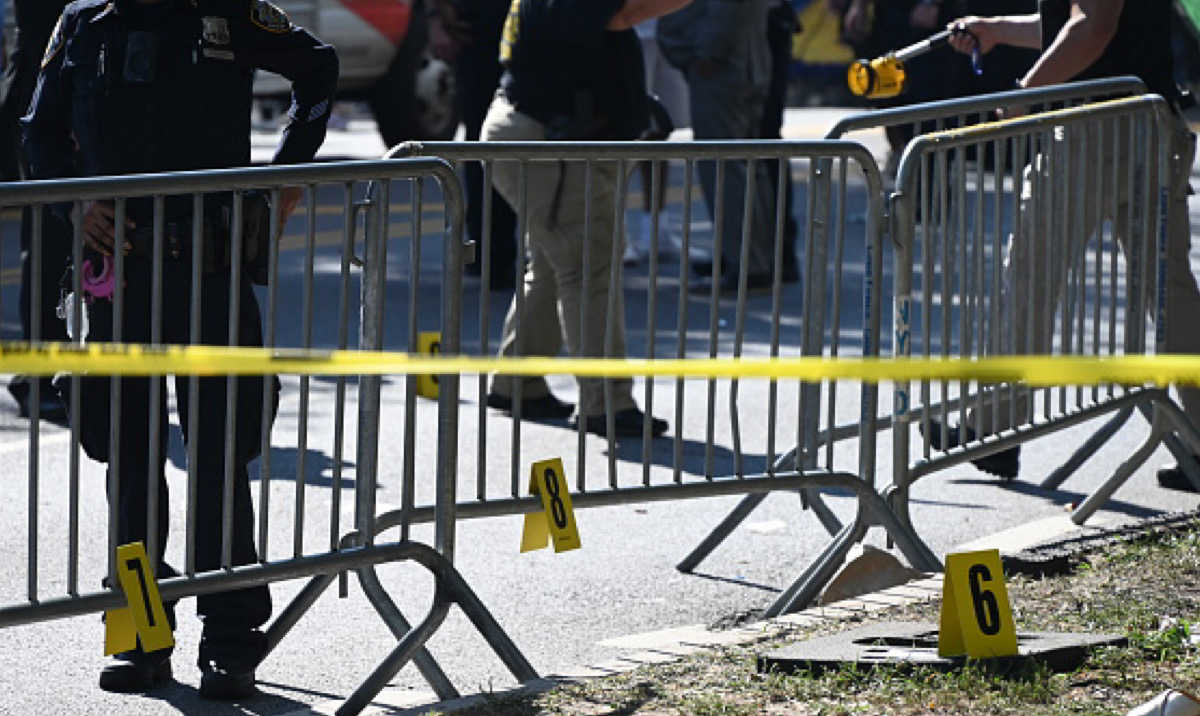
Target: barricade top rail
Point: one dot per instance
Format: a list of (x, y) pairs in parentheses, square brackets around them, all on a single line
[(983, 103), (641, 150), (142, 185), (906, 173)]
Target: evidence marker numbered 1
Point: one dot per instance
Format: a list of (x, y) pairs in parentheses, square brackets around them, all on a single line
[(144, 617)]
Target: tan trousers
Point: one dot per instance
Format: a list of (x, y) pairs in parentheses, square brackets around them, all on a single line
[(1029, 287), (554, 284)]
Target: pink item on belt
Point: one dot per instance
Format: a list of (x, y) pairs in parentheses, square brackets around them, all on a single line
[(98, 286)]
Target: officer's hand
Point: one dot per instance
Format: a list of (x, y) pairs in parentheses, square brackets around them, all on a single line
[(99, 227), (970, 32), (289, 197)]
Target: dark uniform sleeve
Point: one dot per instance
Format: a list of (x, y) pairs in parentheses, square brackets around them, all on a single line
[(46, 129), (264, 38)]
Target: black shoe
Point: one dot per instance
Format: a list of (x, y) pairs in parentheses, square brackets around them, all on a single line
[(702, 267), (629, 424), (135, 671), (755, 283), (220, 684), (1174, 478), (1004, 464), (545, 407), (50, 407)]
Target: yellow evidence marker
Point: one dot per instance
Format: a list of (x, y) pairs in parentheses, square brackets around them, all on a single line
[(556, 522), (145, 616), (428, 344), (976, 617)]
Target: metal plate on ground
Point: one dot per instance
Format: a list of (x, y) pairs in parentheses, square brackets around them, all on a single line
[(915, 644)]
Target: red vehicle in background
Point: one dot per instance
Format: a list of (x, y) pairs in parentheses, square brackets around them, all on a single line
[(383, 51)]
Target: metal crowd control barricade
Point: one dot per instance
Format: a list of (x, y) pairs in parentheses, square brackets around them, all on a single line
[(834, 311), (919, 119), (938, 116), (303, 529), (1053, 251)]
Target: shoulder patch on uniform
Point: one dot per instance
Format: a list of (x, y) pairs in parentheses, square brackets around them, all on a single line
[(55, 44), (268, 17)]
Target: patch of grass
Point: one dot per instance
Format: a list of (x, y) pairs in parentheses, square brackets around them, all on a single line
[(1147, 590)]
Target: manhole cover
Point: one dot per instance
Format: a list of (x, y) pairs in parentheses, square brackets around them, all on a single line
[(901, 643)]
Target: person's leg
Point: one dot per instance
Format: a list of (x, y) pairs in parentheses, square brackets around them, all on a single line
[(781, 24), (134, 670), (478, 74), (1183, 297), (536, 330), (595, 330), (724, 107), (232, 642)]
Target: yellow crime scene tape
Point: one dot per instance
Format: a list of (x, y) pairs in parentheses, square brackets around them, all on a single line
[(95, 359)]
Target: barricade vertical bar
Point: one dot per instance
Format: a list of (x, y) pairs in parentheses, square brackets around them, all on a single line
[(76, 332), (373, 302), (269, 341), (963, 275), (835, 334), (485, 308), (73, 502), (517, 312), (928, 259), (814, 265), (615, 303), (776, 304), (584, 299), (685, 265), (339, 425), (408, 489), (114, 415), (748, 211), (1114, 291), (977, 339), (157, 385), (306, 338), (714, 319), (195, 315), (231, 382), (32, 496), (651, 310), (449, 384)]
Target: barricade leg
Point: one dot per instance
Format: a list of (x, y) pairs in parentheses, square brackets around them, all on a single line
[(1124, 471), (811, 498), (1185, 458), (308, 596), (451, 589), (872, 510), (1085, 451)]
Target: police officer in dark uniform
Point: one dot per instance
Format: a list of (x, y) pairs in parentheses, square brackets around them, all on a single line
[(132, 86), (34, 20)]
